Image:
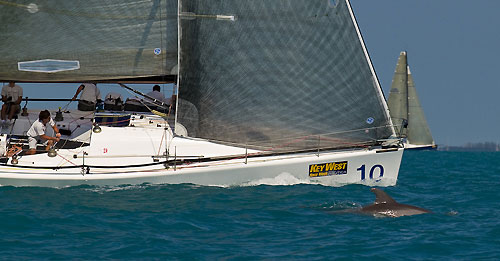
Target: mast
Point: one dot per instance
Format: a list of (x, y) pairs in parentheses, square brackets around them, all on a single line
[(178, 63)]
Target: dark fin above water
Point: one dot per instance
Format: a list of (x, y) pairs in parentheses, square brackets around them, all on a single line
[(382, 197)]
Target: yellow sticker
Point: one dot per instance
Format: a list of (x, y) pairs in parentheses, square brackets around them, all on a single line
[(328, 169)]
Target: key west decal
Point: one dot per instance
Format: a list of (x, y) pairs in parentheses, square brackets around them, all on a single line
[(328, 169)]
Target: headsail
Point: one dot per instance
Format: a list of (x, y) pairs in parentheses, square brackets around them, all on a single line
[(288, 74), (418, 131), (57, 40)]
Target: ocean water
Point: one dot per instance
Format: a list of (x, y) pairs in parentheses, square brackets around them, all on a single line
[(265, 220)]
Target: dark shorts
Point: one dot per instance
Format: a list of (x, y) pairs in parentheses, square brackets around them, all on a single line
[(134, 107), (15, 107), (86, 106), (113, 107)]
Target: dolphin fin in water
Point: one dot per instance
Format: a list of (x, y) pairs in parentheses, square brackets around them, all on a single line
[(382, 198), (385, 205)]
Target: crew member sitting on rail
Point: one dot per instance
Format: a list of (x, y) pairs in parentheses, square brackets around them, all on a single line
[(12, 95), (90, 96), (156, 94), (36, 134)]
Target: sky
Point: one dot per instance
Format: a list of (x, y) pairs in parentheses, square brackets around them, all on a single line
[(68, 90), (453, 51)]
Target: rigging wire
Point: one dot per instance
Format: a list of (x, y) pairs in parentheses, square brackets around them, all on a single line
[(161, 142), (65, 108), (178, 62), (66, 160)]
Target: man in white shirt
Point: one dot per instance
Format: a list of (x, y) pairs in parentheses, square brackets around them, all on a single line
[(36, 134), (12, 95), (90, 96)]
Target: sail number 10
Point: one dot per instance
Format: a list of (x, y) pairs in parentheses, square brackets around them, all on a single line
[(376, 169)]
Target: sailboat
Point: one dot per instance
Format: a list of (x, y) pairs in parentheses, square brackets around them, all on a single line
[(405, 109), (265, 90)]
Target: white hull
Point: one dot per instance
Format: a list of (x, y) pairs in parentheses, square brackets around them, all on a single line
[(409, 146), (225, 173), (146, 141)]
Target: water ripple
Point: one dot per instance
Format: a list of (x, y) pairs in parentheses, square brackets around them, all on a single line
[(282, 218)]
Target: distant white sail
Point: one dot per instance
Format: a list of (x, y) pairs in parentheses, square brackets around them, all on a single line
[(398, 96), (406, 112)]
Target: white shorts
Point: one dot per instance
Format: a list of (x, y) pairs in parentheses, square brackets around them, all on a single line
[(33, 141)]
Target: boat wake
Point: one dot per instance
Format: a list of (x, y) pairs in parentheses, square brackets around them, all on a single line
[(338, 207), (106, 189), (283, 179)]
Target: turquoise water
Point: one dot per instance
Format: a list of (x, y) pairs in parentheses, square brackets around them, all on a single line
[(263, 222)]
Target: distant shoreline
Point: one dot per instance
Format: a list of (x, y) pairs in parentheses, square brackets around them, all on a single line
[(481, 146)]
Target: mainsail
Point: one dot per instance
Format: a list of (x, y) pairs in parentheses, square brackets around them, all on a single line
[(398, 96), (60, 40), (288, 74), (406, 112), (270, 74)]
